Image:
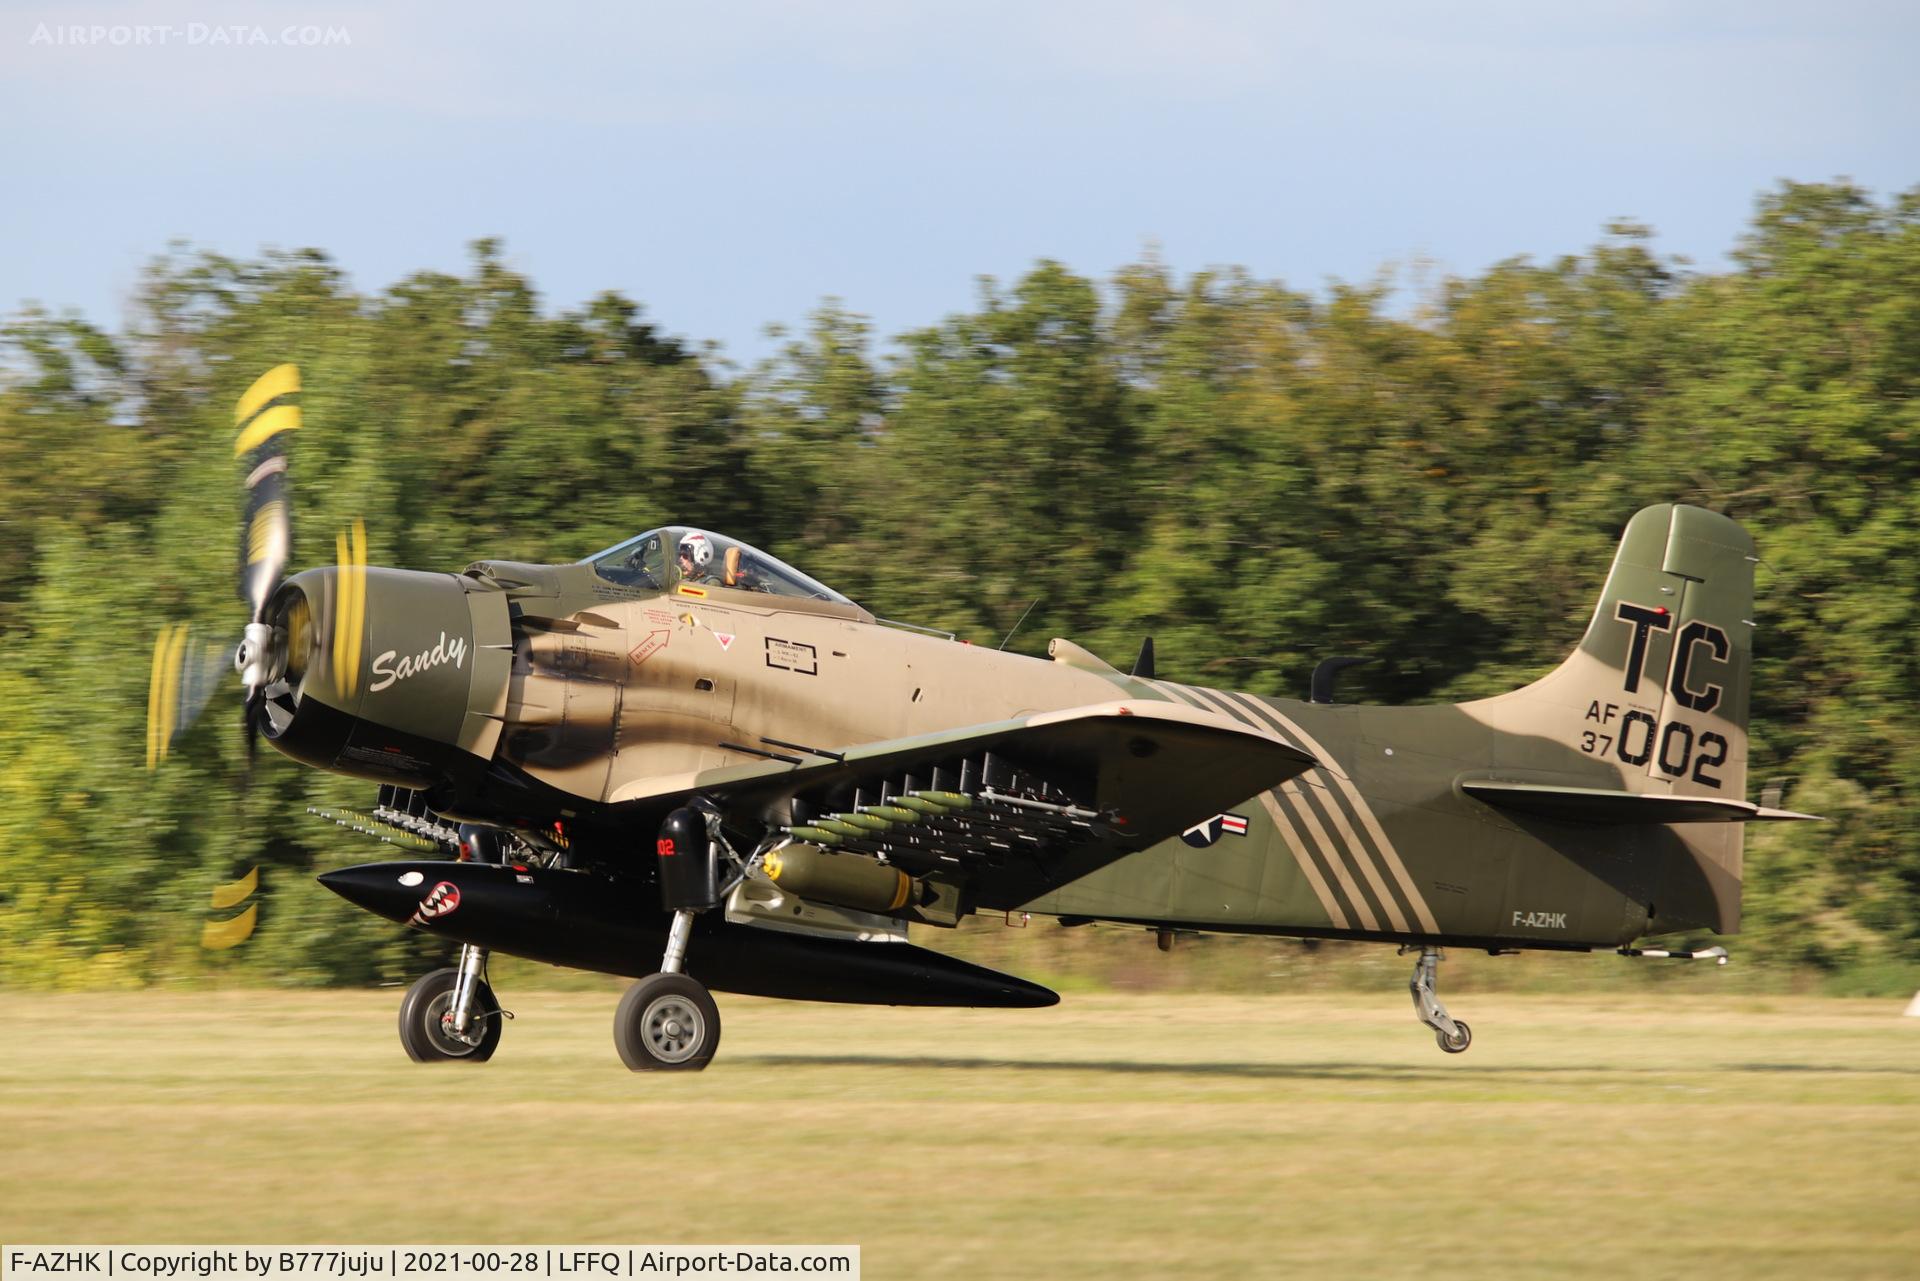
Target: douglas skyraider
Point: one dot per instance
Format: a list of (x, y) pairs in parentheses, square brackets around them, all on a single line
[(684, 761)]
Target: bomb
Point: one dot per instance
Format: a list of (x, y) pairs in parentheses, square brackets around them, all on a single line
[(845, 880)]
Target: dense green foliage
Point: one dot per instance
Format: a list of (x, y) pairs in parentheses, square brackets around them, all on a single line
[(1258, 477)]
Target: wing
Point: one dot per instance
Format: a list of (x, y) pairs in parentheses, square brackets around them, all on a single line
[(1012, 808)]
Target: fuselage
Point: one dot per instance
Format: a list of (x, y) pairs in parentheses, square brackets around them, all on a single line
[(1375, 842), (588, 692)]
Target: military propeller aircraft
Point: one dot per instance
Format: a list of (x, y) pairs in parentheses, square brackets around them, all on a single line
[(684, 761)]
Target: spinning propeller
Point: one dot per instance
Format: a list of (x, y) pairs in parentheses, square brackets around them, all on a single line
[(282, 638)]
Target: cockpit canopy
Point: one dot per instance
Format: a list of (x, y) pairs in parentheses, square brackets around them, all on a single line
[(654, 562)]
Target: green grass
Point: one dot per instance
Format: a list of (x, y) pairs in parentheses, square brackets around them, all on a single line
[(1715, 1137)]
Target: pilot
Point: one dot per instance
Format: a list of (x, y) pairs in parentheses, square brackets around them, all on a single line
[(696, 558)]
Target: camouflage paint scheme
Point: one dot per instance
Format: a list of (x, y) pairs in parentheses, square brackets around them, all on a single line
[(1533, 819)]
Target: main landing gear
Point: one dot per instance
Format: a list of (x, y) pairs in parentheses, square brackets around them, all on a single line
[(451, 1016), (1453, 1034), (667, 1022)]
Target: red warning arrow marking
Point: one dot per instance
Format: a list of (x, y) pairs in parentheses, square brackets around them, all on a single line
[(655, 641)]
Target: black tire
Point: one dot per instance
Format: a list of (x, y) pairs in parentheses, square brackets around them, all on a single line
[(666, 1023), (1455, 1044), (425, 1016)]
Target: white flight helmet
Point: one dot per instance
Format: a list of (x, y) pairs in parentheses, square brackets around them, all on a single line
[(698, 548)]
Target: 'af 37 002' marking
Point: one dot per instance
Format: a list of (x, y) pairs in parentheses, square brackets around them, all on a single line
[(1639, 733)]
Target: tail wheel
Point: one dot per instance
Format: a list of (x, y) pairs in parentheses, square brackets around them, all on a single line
[(666, 1023), (426, 1022)]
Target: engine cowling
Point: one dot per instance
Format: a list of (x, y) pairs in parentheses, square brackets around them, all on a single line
[(388, 674)]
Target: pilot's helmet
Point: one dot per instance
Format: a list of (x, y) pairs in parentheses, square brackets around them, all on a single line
[(698, 548)]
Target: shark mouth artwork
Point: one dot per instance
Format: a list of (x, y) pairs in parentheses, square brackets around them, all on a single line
[(441, 900)]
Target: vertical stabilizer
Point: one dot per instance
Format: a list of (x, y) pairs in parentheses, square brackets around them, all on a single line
[(1658, 687), (1655, 701)]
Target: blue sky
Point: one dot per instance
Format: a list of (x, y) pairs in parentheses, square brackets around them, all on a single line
[(728, 165)]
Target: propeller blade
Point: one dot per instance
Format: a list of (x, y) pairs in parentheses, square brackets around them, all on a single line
[(349, 607), (186, 673), (218, 936), (261, 420), (234, 893), (272, 651), (162, 690), (250, 726)]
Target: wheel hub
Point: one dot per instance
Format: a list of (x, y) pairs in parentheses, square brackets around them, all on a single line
[(440, 1015), (674, 1029)]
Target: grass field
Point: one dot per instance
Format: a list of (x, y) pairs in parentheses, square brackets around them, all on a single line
[(1114, 1136)]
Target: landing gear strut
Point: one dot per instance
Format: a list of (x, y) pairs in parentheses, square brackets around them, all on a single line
[(1453, 1034), (667, 1021), (451, 1015)]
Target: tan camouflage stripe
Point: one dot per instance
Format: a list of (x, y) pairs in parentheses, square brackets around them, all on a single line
[(1297, 798), (1313, 794), (1368, 818), (1315, 881), (1298, 804), (1330, 801)]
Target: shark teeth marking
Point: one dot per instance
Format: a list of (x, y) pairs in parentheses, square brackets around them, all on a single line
[(441, 900)]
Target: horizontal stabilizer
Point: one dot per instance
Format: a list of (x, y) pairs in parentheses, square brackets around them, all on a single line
[(1609, 805)]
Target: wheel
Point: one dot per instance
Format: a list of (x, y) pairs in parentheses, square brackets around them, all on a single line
[(666, 1023), (426, 1021), (1455, 1044)]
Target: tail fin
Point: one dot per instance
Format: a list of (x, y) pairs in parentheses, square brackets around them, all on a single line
[(1658, 687)]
